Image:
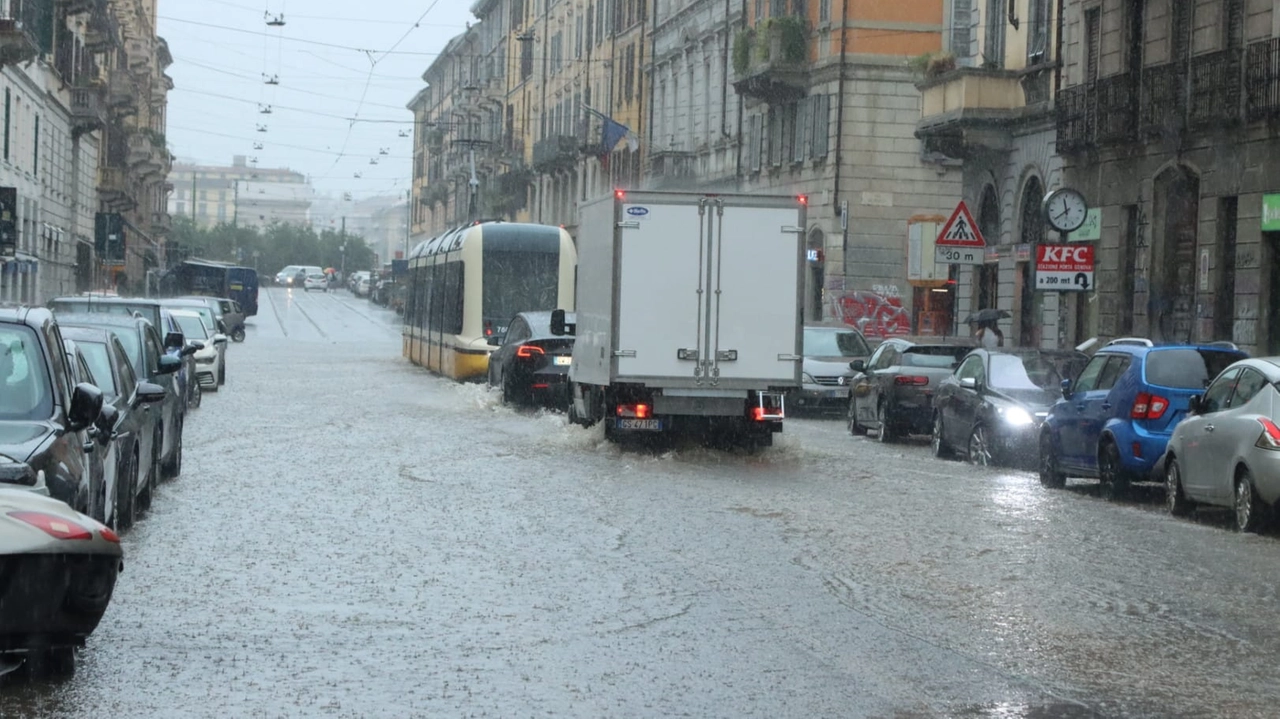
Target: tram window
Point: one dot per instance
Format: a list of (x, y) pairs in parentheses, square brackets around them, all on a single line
[(453, 295), (516, 282), (436, 307), (424, 296)]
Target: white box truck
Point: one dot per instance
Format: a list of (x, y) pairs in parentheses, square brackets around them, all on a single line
[(689, 313)]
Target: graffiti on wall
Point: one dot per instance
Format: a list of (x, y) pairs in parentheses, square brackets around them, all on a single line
[(878, 312)]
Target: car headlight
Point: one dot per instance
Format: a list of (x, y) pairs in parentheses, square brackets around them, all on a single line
[(1016, 416), (807, 378), (206, 360)]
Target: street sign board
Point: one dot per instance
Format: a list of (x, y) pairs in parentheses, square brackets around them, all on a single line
[(1064, 268), (960, 242), (1271, 213)]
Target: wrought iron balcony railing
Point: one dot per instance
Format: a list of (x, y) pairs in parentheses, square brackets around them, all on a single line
[(1262, 80), (1216, 89)]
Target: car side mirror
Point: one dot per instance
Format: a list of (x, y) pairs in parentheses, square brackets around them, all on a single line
[(219, 339), (174, 340), (1195, 405), (858, 365), (495, 341), (190, 349), (559, 327), (149, 393), (86, 405), (222, 326), (169, 364), (1066, 389), (106, 422), (969, 383)]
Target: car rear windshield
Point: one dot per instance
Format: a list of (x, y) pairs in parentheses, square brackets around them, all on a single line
[(95, 355), (192, 327), (25, 391), (834, 343), (936, 357), (1187, 368)]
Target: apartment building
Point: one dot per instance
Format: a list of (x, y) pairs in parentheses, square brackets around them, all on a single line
[(240, 193), (988, 106), (1167, 122)]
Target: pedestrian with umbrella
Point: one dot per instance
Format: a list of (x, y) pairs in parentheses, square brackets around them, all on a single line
[(988, 333)]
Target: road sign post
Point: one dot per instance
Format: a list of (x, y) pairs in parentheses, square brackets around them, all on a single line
[(960, 242)]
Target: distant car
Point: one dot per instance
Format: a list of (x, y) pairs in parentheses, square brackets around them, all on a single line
[(176, 345), (127, 419), (227, 311), (828, 351), (1226, 453), (43, 411), (1113, 420), (291, 276), (530, 364), (60, 569), (893, 393), (316, 281), (992, 406), (208, 358)]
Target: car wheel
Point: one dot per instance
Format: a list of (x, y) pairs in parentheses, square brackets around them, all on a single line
[(855, 428), (1051, 474), (884, 432), (1249, 508), (174, 466), (197, 394), (979, 447), (222, 374), (936, 443), (149, 484), (1113, 480), (51, 662), (238, 335), (1175, 498)]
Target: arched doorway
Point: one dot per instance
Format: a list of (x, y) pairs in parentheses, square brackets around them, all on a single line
[(1176, 214), (987, 279), (1032, 232), (817, 274)]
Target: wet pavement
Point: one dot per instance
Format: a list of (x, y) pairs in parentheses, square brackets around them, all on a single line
[(353, 537)]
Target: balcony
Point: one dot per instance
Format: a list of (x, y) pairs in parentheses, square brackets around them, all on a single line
[(121, 93), (147, 153), (139, 56), (100, 36), (557, 152), (771, 60), (671, 167), (116, 190), (1216, 90), (18, 41), (1262, 80), (87, 111), (161, 223)]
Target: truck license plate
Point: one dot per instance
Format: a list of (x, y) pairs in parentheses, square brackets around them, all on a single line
[(563, 361), (648, 425)]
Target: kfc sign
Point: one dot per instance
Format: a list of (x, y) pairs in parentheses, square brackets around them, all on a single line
[(1064, 268)]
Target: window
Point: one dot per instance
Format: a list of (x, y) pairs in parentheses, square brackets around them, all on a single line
[(590, 25), (824, 10), (834, 343), (961, 27), (1248, 386), (557, 52), (821, 117), (993, 49), (577, 39), (1092, 43), (1218, 394), (35, 151), (526, 58), (1233, 24), (8, 108), (1114, 370), (973, 368), (1187, 368), (26, 391), (1088, 379), (1038, 32), (515, 282), (152, 354)]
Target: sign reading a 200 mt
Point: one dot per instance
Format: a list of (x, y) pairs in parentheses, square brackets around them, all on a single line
[(960, 242), (1064, 268)]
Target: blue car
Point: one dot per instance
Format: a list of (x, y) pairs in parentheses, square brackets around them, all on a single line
[(1116, 417)]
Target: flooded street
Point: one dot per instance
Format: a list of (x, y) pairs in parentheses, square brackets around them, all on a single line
[(353, 537)]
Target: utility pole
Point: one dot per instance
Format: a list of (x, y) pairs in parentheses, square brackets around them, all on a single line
[(193, 193), (343, 248)]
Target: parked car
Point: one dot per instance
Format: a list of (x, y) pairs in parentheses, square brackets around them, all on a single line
[(176, 345), (530, 364), (96, 453), (316, 281), (992, 406), (1114, 419), (127, 420), (227, 311), (893, 392), (353, 280), (161, 451), (826, 373), (203, 307), (205, 345), (50, 608), (1226, 453), (43, 410), (127, 306)]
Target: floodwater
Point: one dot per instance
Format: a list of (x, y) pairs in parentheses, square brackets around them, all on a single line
[(353, 537)]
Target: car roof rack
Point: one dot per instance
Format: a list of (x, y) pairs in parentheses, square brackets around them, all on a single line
[(1224, 344), (1140, 341)]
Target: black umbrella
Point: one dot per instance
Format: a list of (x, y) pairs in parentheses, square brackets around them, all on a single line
[(988, 315)]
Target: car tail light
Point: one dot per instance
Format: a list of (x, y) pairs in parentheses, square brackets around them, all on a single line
[(53, 525), (109, 535), (635, 411), (542, 385), (1148, 406), (911, 381), (1270, 438), (528, 351)]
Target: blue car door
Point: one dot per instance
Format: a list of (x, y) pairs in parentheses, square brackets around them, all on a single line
[(1097, 406), (1067, 414)]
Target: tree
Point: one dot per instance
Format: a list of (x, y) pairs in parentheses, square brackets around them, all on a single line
[(276, 245)]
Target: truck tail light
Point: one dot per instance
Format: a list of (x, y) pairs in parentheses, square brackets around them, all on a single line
[(488, 329), (1148, 406), (635, 411), (527, 351), (911, 381), (1270, 438)]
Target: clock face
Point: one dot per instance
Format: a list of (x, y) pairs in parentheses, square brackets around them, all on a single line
[(1066, 210)]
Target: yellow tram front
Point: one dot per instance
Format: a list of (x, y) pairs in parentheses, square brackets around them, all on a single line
[(466, 284)]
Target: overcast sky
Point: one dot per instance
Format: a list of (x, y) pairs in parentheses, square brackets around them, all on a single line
[(223, 48)]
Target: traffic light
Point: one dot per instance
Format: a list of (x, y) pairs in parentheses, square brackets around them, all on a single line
[(8, 221)]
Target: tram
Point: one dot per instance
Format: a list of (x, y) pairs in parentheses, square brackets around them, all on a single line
[(465, 285)]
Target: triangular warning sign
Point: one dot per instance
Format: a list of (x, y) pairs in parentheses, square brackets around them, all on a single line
[(961, 230)]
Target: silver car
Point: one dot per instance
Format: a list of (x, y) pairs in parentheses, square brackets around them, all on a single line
[(1227, 452)]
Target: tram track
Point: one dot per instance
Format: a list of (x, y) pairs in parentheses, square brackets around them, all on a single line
[(271, 298)]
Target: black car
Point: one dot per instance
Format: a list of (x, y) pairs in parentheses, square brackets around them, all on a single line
[(43, 411), (992, 407), (109, 304), (530, 364), (161, 450), (128, 419), (893, 393)]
